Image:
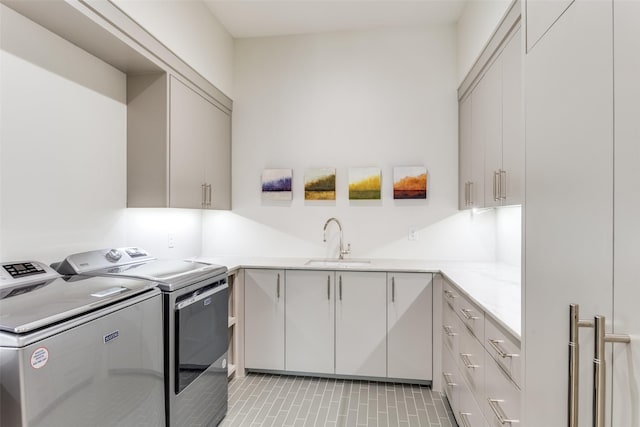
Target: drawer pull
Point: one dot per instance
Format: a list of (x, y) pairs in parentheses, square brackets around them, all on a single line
[(450, 294), (467, 361), (494, 404), (466, 312), (447, 379), (497, 346), (464, 418), (449, 331)]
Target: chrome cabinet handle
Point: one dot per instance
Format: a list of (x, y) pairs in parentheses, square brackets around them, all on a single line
[(278, 287), (340, 288), (209, 200), (466, 194), (466, 312), (497, 346), (447, 379), (496, 186), (203, 199), (494, 404), (328, 287), (393, 289), (450, 294), (599, 368), (449, 330), (464, 417), (574, 362), (466, 360), (503, 184), (471, 198)]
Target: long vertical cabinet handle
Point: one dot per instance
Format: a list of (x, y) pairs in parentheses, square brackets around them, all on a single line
[(209, 195), (599, 368), (471, 198), (466, 194), (278, 287), (503, 184), (574, 361), (329, 287), (203, 199), (340, 288), (393, 289), (496, 186)]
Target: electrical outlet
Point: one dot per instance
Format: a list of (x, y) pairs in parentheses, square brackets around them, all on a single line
[(171, 240), (413, 233)]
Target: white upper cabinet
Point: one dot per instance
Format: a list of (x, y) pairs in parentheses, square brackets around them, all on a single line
[(200, 151), (491, 131), (464, 153), (511, 179), (179, 146), (486, 116), (541, 15)]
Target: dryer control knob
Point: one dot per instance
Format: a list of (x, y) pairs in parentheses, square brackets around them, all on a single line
[(114, 255)]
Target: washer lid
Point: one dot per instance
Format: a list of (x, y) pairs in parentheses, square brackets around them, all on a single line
[(52, 301), (169, 274)]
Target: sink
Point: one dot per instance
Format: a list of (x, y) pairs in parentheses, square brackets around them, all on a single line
[(338, 263)]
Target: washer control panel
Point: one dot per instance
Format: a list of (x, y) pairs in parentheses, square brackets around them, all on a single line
[(24, 272)]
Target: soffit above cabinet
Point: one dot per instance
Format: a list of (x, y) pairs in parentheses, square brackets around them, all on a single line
[(105, 31)]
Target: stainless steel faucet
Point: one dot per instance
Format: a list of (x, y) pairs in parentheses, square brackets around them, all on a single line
[(343, 252)]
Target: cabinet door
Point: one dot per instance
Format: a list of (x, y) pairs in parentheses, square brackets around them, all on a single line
[(310, 321), (409, 326), (569, 204), (218, 159), (542, 15), (264, 319), (190, 132), (512, 122), (361, 324), (626, 358), (464, 154), (487, 134)]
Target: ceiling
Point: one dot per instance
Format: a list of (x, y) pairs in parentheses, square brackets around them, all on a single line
[(262, 18)]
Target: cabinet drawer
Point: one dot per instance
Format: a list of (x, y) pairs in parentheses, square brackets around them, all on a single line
[(449, 294), (451, 379), (504, 348), (451, 328), (502, 403), (468, 412), (472, 316), (471, 360)]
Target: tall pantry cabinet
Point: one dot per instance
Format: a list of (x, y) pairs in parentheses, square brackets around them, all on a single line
[(582, 204)]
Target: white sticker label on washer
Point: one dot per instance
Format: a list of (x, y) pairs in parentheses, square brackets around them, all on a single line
[(39, 357), (224, 363)]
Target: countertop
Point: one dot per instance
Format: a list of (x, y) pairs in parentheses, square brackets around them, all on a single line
[(494, 286)]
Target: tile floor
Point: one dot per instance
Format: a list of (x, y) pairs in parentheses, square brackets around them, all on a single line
[(275, 400)]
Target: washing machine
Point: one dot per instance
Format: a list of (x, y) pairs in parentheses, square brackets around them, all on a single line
[(196, 331), (79, 351)]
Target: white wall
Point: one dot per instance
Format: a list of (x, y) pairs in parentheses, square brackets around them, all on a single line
[(376, 98), (192, 32), (477, 23), (509, 235), (63, 154)]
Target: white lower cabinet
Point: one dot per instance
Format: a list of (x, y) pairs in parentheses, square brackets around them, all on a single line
[(480, 377), (361, 326), (309, 325), (264, 319), (502, 403), (354, 323), (409, 326)]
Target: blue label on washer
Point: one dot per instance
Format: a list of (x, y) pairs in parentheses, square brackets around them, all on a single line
[(207, 301), (112, 336)]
